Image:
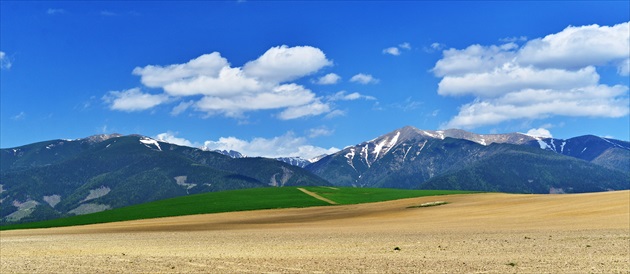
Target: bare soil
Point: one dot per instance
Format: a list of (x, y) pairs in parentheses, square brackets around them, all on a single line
[(476, 233)]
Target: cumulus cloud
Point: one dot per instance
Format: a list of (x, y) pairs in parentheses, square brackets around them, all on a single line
[(343, 96), (171, 137), (218, 88), (624, 67), (181, 107), (208, 65), (287, 145), (513, 39), (133, 100), (280, 64), (364, 79), (591, 101), (319, 131), (392, 51), (284, 96), (315, 108), (553, 75), (539, 132), (328, 79), (335, 113), (510, 78), (5, 62), (577, 47), (433, 47), (397, 50)]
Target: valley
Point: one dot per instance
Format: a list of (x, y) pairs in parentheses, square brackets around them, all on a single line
[(487, 232)]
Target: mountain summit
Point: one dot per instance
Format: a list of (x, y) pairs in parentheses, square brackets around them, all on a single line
[(70, 177), (414, 158)]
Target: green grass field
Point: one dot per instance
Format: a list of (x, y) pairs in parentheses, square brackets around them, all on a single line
[(236, 200)]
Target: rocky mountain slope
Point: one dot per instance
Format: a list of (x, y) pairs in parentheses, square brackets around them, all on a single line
[(515, 162)]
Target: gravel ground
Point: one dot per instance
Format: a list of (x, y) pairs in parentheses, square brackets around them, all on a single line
[(480, 233)]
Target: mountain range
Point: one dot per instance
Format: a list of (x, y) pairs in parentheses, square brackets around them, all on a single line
[(59, 178), (456, 159), (69, 177)]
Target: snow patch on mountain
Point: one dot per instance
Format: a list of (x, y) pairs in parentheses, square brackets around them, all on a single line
[(295, 161), (350, 157), (542, 144), (231, 153), (148, 141), (437, 135)]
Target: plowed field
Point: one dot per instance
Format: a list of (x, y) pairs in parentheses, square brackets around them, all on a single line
[(497, 233)]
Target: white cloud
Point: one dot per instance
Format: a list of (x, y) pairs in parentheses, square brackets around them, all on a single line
[(229, 82), (205, 65), (133, 100), (437, 46), (19, 116), (392, 51), (335, 113), (513, 39), (592, 101), (320, 131), (342, 96), (396, 50), (624, 67), (170, 137), (474, 59), (108, 13), (52, 11), (433, 47), (328, 79), (577, 47), (5, 63), (511, 78), (181, 107), (284, 96), (287, 145), (364, 79), (539, 132), (408, 105), (554, 75), (221, 89), (280, 64), (315, 108)]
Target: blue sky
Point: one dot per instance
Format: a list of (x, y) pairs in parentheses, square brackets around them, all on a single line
[(305, 78)]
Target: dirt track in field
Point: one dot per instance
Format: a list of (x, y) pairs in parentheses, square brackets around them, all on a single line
[(316, 196), (479, 233)]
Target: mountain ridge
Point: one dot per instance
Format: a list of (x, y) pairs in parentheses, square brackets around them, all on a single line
[(64, 177), (408, 157)]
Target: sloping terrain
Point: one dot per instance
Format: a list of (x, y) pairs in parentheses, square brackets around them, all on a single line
[(73, 177), (496, 233), (410, 158)]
